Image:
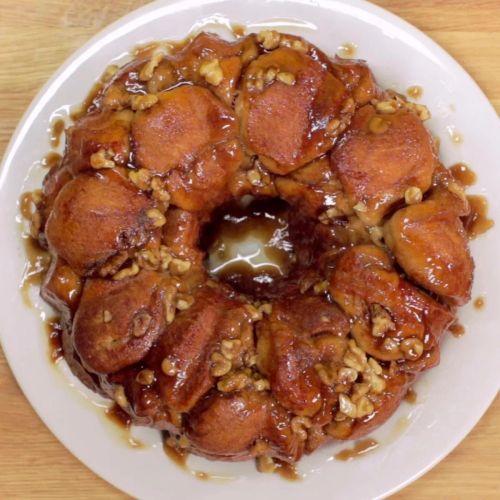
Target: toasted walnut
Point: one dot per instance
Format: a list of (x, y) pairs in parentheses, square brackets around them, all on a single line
[(360, 207), (358, 391), (259, 448), (255, 314), (142, 102), (269, 39), (286, 77), (419, 109), (148, 259), (387, 107), (229, 348), (127, 272), (413, 195), (141, 178), (179, 266), (148, 69), (250, 359), (412, 348), (254, 177), (113, 264), (347, 375), (390, 344), (212, 71), (221, 365), (321, 287), (355, 357), (168, 367), (140, 323), (300, 46), (300, 425), (381, 321), (165, 257), (160, 192), (364, 407), (120, 397), (376, 235), (377, 384), (340, 429), (262, 384), (102, 159), (374, 366), (233, 382), (169, 304), (270, 74), (157, 218), (184, 302), (326, 374), (378, 125), (265, 464), (145, 377), (346, 406), (349, 106), (266, 308), (106, 316), (332, 126)]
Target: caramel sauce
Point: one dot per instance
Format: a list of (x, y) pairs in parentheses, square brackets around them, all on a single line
[(37, 263), (51, 160), (463, 174), (455, 136), (415, 91), (238, 30), (56, 131), (347, 50), (477, 222), (248, 244), (123, 421), (457, 330), (287, 471), (479, 303), (411, 396), (360, 448), (54, 331), (88, 102)]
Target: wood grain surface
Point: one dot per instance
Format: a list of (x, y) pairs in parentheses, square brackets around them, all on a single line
[(36, 36)]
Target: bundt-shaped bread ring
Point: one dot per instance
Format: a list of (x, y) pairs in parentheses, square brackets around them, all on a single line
[(373, 223)]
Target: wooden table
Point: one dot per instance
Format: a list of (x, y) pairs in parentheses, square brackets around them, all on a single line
[(36, 36)]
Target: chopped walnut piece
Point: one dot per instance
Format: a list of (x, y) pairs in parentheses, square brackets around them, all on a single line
[(142, 102), (381, 321), (127, 272), (157, 218), (120, 397), (168, 367), (413, 195), (265, 464), (107, 316), (102, 159), (269, 39), (148, 69), (286, 77), (141, 178), (221, 365), (145, 377), (346, 406), (179, 266), (412, 348), (299, 426), (233, 382), (212, 71)]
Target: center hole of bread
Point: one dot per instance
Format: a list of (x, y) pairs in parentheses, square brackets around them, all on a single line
[(248, 244)]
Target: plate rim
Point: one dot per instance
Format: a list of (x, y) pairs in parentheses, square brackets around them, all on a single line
[(113, 31)]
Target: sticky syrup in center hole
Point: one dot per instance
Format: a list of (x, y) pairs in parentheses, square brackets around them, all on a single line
[(248, 244)]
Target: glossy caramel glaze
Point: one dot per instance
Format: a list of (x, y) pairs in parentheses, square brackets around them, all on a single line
[(253, 247)]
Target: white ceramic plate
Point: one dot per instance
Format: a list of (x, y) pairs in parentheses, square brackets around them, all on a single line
[(451, 398)]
